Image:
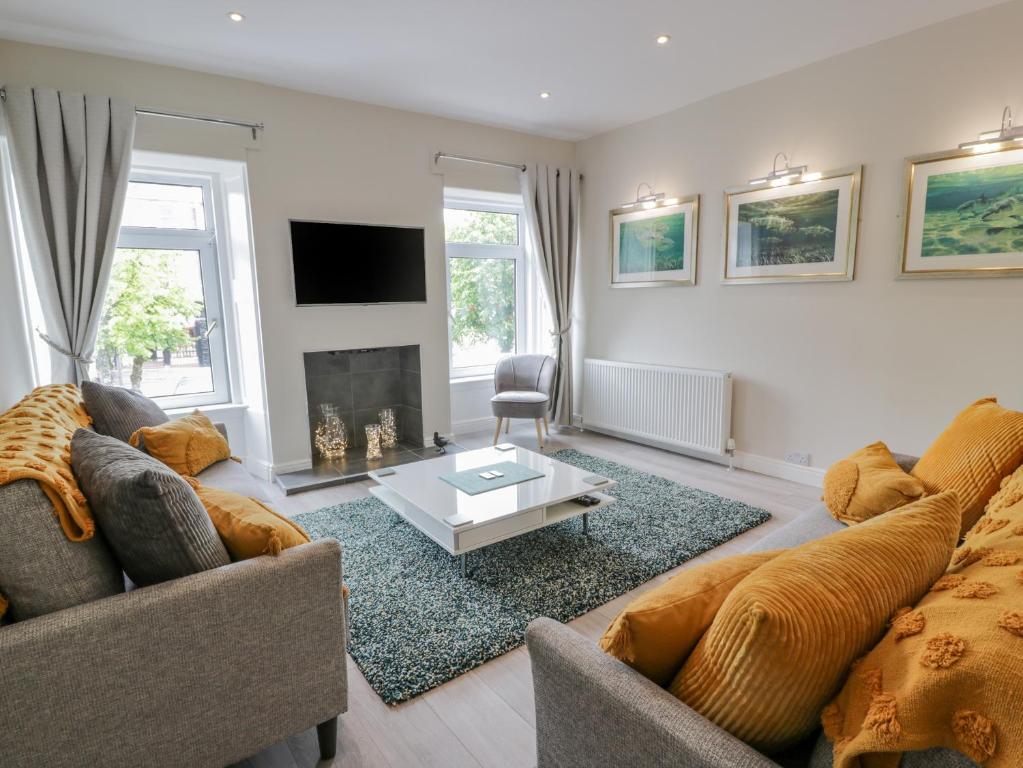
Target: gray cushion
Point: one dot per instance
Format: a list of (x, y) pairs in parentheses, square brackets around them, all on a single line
[(813, 524), (823, 757), (517, 404), (231, 476), (41, 570), (120, 412), (154, 522)]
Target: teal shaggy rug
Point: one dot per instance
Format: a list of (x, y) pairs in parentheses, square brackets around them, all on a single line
[(416, 623)]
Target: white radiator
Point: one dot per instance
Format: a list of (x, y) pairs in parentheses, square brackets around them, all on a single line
[(684, 408)]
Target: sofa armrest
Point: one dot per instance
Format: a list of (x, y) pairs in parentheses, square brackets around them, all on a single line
[(592, 711), (200, 671)]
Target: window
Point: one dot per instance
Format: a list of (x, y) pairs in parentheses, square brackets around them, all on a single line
[(162, 326), (486, 283)]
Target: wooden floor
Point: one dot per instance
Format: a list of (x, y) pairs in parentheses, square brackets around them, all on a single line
[(485, 717)]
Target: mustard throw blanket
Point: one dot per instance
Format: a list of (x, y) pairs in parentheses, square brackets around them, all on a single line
[(950, 670), (35, 444)]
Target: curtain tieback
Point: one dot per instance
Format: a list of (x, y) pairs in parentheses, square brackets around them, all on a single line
[(563, 331), (66, 352)]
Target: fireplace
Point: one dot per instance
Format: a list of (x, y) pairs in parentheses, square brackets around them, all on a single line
[(360, 383)]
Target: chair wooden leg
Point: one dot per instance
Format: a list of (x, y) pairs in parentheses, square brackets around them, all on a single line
[(326, 734), (507, 427), (546, 426), (539, 433), (497, 431)]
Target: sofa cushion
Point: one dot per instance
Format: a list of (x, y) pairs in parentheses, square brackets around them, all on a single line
[(868, 483), (232, 476), (154, 522), (813, 524), (823, 757), (247, 526), (981, 446), (187, 445), (950, 671), (120, 412), (656, 632), (41, 569), (784, 639)]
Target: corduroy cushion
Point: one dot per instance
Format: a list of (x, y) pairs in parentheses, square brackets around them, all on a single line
[(867, 484), (154, 522), (248, 527), (784, 639), (950, 671), (982, 446), (187, 445), (656, 632), (120, 412)]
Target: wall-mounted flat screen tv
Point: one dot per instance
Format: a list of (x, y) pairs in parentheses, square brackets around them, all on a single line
[(357, 263)]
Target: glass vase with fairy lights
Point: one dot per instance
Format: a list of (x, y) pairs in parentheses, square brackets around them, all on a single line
[(331, 435), (373, 441), (388, 428)]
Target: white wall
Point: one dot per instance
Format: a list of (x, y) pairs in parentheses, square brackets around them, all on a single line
[(828, 367), (320, 158)]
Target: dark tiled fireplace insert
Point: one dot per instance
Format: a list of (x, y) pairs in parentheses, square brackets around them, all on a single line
[(360, 383)]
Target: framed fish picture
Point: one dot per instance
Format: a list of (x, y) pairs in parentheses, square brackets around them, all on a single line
[(797, 232), (655, 246), (964, 213)]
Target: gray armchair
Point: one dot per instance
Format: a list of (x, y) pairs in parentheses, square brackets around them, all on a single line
[(523, 386)]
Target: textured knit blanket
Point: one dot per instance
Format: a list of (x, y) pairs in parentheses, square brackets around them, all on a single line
[(35, 444)]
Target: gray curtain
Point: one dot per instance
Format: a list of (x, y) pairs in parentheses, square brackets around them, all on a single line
[(71, 155), (551, 199)]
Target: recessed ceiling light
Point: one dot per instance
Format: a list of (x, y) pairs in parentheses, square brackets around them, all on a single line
[(663, 39), (545, 94), (235, 16)]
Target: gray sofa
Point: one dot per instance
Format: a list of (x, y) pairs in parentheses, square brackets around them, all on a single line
[(199, 671), (593, 711)]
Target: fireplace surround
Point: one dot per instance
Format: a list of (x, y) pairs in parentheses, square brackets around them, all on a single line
[(362, 382)]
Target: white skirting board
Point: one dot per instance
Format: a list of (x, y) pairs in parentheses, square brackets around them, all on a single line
[(751, 462), (765, 465), (473, 426)]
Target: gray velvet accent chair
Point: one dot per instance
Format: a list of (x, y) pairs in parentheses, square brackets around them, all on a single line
[(523, 385)]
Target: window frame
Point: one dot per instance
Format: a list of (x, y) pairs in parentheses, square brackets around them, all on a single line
[(514, 253), (204, 241)]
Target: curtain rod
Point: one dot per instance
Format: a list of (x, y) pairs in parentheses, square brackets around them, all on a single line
[(254, 127), (478, 161)]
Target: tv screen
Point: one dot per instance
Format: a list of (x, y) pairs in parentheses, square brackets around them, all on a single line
[(357, 263)]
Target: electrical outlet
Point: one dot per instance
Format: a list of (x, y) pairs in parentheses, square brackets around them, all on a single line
[(802, 459)]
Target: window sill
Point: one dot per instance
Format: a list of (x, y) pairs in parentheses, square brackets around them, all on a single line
[(483, 381), (209, 410)]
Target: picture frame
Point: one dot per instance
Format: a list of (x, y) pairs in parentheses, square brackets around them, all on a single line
[(961, 215), (807, 230), (660, 244)]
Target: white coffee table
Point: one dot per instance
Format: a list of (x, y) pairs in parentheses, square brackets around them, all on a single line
[(461, 523)]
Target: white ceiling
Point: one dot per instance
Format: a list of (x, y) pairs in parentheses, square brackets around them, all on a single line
[(483, 60)]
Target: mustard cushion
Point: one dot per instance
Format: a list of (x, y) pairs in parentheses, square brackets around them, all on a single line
[(981, 446), (187, 445), (248, 528), (868, 483), (655, 632), (784, 639), (950, 671)]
